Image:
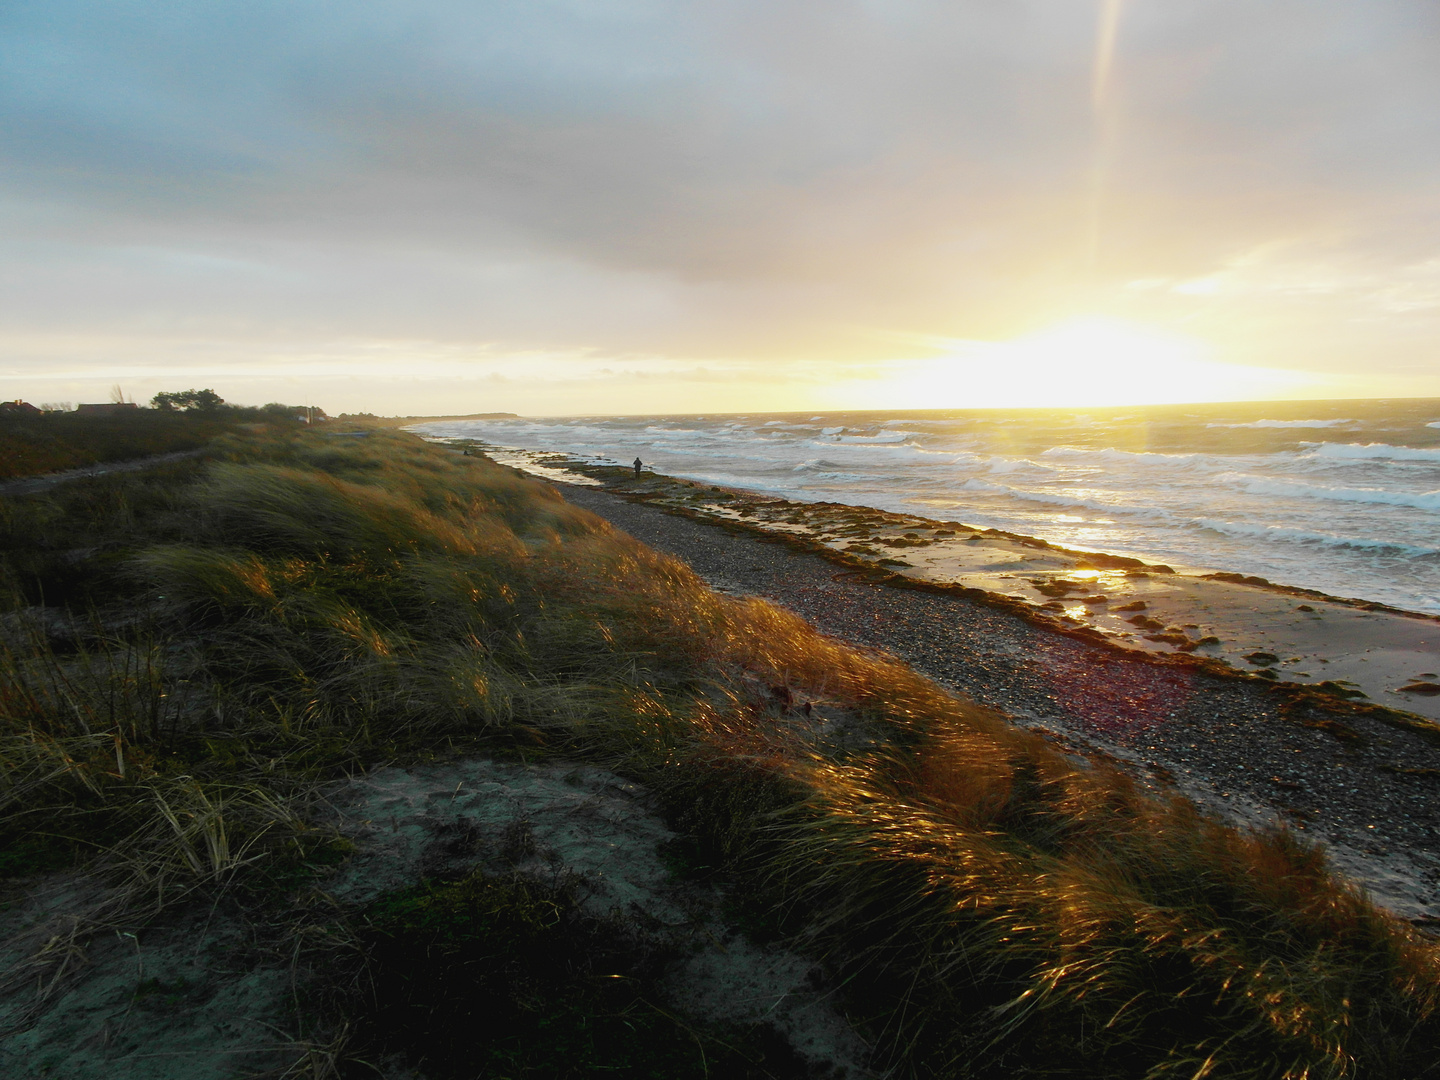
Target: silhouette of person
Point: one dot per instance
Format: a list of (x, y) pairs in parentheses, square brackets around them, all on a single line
[(637, 468)]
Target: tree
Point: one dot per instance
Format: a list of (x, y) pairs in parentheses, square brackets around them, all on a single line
[(204, 401)]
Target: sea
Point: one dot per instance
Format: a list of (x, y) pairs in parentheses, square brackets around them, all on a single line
[(1340, 496)]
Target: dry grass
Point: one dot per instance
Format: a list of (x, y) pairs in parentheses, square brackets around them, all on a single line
[(303, 606), (33, 445)]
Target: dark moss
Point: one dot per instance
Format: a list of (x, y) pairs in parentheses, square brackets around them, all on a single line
[(490, 977)]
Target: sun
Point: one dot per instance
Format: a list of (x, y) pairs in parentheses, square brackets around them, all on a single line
[(1094, 360), (1086, 362)]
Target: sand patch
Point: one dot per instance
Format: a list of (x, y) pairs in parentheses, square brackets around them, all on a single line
[(194, 998), (588, 826), (188, 998)]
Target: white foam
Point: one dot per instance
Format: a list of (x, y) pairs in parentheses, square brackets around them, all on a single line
[(1259, 485), (1112, 455), (1301, 536), (1058, 498), (1286, 424), (1376, 452), (1002, 465), (884, 437), (1311, 513), (890, 452), (827, 470)]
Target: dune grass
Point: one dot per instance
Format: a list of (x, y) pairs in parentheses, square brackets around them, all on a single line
[(191, 652), (53, 442)]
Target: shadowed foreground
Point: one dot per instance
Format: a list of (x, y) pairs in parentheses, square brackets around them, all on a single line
[(196, 655)]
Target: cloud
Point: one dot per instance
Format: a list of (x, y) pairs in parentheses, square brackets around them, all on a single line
[(772, 179)]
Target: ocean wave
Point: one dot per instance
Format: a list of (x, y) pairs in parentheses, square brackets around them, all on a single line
[(1110, 454), (1286, 424), (881, 454), (1376, 452), (1316, 495), (1077, 502), (829, 469), (1259, 485), (1003, 465), (1302, 536), (885, 438)]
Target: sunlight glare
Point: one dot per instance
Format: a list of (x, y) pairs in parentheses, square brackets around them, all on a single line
[(1091, 361)]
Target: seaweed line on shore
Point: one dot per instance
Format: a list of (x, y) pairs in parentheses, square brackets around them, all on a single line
[(1295, 699)]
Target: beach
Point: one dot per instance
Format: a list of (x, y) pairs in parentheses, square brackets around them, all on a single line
[(967, 612), (494, 765), (1339, 497)]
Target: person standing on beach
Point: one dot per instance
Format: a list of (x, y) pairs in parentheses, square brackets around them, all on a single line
[(637, 468)]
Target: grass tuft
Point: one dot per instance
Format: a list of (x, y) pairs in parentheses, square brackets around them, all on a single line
[(190, 654)]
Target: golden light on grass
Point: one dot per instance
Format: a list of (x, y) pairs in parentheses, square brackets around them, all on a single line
[(309, 607)]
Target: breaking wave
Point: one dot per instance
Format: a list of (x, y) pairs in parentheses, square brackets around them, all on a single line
[(1377, 452), (1259, 485), (1346, 506), (1287, 424), (1112, 456), (1301, 536)]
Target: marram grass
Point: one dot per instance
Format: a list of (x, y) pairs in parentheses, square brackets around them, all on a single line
[(295, 607)]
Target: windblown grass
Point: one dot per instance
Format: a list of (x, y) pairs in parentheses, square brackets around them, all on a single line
[(53, 442), (302, 606)]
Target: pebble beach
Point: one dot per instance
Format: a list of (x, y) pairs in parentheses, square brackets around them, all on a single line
[(1359, 781)]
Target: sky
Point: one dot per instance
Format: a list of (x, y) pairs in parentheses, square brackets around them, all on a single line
[(633, 206)]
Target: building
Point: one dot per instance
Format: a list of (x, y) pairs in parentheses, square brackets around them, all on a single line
[(108, 408)]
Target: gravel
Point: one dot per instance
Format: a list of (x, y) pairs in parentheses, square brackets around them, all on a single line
[(1371, 797)]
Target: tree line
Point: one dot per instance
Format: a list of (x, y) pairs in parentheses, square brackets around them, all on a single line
[(208, 402)]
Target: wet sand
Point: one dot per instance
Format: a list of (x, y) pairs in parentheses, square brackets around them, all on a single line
[(1297, 635)]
